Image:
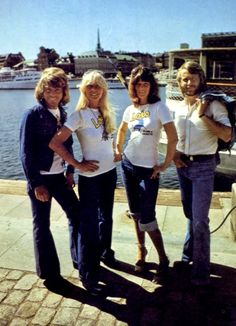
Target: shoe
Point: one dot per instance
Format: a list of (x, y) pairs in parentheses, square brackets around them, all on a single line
[(109, 259), (181, 266), (140, 264), (162, 272), (58, 285), (93, 289)]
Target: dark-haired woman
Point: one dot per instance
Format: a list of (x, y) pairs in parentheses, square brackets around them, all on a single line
[(140, 160)]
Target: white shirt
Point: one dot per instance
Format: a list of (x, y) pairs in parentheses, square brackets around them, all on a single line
[(194, 136), (145, 123), (88, 126), (58, 163)]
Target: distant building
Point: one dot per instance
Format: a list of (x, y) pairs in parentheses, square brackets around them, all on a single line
[(11, 59), (184, 46), (125, 63), (67, 63), (103, 60), (146, 59), (217, 57), (219, 40), (46, 58)]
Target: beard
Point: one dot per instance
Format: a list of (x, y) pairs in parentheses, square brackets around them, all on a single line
[(193, 91)]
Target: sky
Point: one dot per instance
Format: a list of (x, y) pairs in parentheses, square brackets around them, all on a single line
[(148, 26)]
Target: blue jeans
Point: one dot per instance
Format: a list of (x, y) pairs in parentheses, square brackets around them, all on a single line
[(47, 262), (95, 229), (196, 185), (141, 193)]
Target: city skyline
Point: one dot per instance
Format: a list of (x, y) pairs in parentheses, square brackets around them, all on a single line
[(151, 27)]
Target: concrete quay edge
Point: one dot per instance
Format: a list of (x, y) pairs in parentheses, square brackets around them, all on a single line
[(166, 197)]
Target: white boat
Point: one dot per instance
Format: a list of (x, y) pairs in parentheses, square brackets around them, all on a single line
[(27, 78), (227, 164), (18, 79)]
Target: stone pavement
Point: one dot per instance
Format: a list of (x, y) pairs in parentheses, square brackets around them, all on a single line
[(131, 299)]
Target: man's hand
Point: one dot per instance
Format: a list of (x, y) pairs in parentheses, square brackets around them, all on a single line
[(202, 106), (41, 193), (70, 181)]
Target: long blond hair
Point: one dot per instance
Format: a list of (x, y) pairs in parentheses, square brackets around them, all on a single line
[(54, 77), (95, 77)]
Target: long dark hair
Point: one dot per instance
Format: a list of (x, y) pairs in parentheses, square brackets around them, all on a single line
[(144, 74)]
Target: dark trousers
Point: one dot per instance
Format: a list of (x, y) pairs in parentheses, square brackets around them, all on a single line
[(95, 229), (47, 262)]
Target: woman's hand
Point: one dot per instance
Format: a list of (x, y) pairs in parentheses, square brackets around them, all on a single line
[(117, 157), (88, 166), (157, 169), (177, 160)]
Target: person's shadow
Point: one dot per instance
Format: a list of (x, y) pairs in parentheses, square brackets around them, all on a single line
[(124, 298), (139, 302), (183, 304)]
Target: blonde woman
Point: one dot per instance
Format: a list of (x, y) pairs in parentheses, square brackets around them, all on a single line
[(93, 122), (44, 171)]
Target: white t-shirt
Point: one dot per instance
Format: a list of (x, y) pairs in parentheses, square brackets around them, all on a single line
[(88, 126), (58, 163), (145, 123), (194, 136)]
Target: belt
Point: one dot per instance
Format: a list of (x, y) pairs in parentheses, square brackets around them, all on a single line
[(196, 158)]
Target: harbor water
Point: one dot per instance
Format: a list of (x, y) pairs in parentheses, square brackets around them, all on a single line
[(15, 102)]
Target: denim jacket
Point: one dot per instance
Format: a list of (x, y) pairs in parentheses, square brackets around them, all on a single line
[(216, 96), (37, 128)]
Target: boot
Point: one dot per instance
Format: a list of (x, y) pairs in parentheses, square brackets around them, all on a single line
[(163, 268), (142, 251), (140, 263)]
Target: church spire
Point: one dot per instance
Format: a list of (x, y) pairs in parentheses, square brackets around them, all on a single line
[(99, 48)]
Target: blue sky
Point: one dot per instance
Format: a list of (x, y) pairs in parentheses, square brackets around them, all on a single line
[(132, 25)]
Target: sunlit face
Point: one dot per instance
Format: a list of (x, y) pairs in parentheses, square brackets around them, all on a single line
[(94, 94), (189, 83), (53, 96), (142, 89)]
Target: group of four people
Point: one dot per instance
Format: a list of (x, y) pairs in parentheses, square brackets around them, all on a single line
[(46, 144)]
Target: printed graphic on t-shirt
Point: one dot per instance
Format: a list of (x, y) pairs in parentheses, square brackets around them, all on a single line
[(140, 115), (97, 123), (140, 125)]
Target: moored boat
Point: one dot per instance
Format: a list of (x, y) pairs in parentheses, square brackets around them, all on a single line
[(18, 79), (27, 78)]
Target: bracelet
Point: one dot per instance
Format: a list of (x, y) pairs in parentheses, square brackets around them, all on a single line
[(201, 115)]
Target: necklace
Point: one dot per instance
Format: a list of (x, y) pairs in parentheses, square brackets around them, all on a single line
[(98, 122)]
